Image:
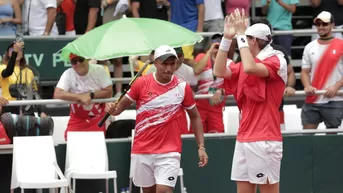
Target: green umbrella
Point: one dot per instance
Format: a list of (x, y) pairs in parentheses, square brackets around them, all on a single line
[(129, 36)]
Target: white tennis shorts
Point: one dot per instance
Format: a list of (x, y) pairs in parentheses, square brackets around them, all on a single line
[(150, 169), (257, 162)]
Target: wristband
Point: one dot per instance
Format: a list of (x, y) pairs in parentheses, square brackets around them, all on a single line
[(225, 45), (242, 42)]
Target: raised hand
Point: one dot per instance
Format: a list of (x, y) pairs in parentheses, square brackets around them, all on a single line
[(240, 23), (229, 29)]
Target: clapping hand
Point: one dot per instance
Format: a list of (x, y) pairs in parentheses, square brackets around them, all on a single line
[(240, 23)]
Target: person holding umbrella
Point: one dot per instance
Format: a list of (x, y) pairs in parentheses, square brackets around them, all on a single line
[(160, 100)]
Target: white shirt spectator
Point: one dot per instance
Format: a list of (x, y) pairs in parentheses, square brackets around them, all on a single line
[(35, 16), (213, 10), (312, 55), (96, 79)]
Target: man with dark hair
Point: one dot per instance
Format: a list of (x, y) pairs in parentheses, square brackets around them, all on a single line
[(289, 90)]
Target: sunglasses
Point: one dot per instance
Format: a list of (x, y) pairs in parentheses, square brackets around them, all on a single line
[(76, 60), (322, 24)]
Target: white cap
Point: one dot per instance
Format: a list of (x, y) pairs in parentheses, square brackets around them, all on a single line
[(163, 52), (325, 16), (259, 30)]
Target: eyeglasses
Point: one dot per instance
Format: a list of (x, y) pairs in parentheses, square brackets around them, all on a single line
[(323, 24), (76, 60)]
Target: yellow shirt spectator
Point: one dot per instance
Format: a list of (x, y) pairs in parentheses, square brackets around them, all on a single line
[(27, 77)]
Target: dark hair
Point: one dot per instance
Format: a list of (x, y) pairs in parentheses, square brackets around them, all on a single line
[(264, 21), (22, 63)]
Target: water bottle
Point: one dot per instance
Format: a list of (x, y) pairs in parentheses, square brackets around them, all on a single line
[(122, 190), (184, 190)]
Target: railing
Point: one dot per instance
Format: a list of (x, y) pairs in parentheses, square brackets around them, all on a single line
[(58, 101)]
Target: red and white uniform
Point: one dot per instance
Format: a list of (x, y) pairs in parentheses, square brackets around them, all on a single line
[(83, 117), (211, 116), (258, 150), (157, 143)]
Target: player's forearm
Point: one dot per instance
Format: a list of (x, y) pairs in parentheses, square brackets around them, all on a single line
[(122, 105), (248, 62), (64, 95), (198, 131), (305, 79)]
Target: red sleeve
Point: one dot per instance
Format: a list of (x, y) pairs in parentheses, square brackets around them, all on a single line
[(188, 101), (230, 84), (274, 65), (199, 57), (134, 92)]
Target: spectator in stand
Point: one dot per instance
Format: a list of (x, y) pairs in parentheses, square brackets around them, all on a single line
[(68, 7), (87, 16), (17, 80), (39, 17), (189, 14), (214, 18), (279, 14), (157, 9), (82, 83), (211, 110), (10, 17), (231, 5), (335, 7), (323, 59)]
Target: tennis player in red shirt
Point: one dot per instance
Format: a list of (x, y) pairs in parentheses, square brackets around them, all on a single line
[(160, 100), (258, 84)]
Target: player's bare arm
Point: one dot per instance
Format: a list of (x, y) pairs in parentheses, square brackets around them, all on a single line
[(249, 65), (117, 108), (220, 69), (198, 130)]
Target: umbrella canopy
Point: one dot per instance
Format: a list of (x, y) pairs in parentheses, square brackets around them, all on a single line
[(129, 36)]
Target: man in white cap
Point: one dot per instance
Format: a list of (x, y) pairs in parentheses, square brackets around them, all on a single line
[(258, 84), (160, 100), (323, 59)]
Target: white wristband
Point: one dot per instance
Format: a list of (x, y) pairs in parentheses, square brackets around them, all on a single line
[(225, 45), (242, 42)]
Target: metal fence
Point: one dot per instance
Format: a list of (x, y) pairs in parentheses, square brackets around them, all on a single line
[(58, 101)]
